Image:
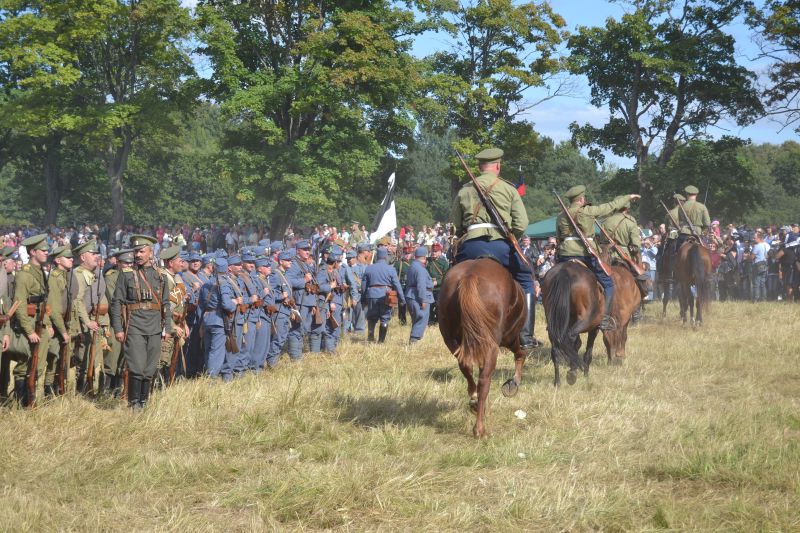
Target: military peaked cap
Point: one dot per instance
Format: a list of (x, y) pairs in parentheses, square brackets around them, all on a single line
[(490, 155), (168, 254), (575, 191), (691, 189), (37, 242), (61, 251), (140, 241)]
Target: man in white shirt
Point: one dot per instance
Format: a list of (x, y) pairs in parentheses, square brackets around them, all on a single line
[(760, 250)]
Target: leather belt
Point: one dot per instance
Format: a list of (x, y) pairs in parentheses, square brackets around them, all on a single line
[(379, 287), (483, 225), (577, 238), (136, 307)]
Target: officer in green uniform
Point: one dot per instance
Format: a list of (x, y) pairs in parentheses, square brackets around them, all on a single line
[(437, 267), (31, 293), (697, 213), (142, 294), (622, 227), (173, 264), (571, 247), (91, 309), (479, 236), (7, 278), (60, 304), (113, 359)]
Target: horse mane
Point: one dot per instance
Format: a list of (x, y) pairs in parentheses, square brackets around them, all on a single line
[(477, 324)]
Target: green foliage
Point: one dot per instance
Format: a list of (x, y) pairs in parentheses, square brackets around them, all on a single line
[(414, 211), (665, 71)]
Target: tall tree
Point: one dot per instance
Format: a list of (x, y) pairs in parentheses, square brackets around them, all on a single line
[(480, 85), (316, 93), (666, 72), (778, 24)]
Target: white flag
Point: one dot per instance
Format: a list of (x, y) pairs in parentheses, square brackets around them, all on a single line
[(386, 219)]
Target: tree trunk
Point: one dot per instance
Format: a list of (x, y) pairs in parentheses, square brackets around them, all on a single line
[(116, 163), (53, 185), (280, 221)]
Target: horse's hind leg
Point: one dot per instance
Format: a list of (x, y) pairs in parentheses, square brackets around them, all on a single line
[(554, 357), (472, 388), (484, 381), (587, 356), (511, 386)]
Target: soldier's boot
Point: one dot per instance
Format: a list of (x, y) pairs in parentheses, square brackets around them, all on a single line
[(382, 333), (401, 314), (117, 387), (526, 338), (80, 382), (608, 323), (144, 393), (134, 392), (49, 391), (21, 392), (371, 333)]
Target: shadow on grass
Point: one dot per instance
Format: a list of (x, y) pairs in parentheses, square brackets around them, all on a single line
[(371, 412)]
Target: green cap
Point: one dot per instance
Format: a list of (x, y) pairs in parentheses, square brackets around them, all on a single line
[(490, 155), (87, 247), (691, 189), (168, 254), (37, 242), (678, 196), (61, 251), (125, 255), (575, 191), (6, 252), (140, 241), (114, 252)]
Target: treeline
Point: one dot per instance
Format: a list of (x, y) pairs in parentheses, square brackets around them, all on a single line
[(300, 110)]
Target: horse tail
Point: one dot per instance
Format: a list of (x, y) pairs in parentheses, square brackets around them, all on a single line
[(701, 280), (477, 324), (558, 310)]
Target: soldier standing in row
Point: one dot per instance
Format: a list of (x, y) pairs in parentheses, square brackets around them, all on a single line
[(7, 278), (30, 291), (218, 303), (286, 307), (193, 280), (173, 264), (302, 276), (379, 279), (236, 363), (437, 267), (60, 303), (401, 266), (114, 359), (330, 284), (91, 307), (142, 294), (266, 312), (419, 294)]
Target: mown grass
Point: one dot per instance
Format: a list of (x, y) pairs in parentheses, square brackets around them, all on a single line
[(699, 430)]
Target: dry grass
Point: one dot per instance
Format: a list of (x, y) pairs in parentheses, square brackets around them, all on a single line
[(700, 430)]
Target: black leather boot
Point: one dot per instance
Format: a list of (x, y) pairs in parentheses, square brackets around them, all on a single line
[(382, 333), (49, 391), (134, 391), (608, 323), (144, 392), (526, 338), (371, 334), (21, 392)]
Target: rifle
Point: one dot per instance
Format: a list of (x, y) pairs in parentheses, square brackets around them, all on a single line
[(672, 218), (581, 236), (63, 352), (124, 394), (497, 219), (227, 323), (38, 327), (691, 226), (88, 383), (638, 269)]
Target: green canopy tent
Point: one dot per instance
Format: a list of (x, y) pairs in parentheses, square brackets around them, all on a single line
[(545, 228)]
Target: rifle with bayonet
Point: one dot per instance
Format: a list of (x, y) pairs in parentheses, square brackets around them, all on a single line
[(581, 236), (497, 219), (617, 248)]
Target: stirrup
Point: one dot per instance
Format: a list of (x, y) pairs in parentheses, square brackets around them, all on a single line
[(608, 323)]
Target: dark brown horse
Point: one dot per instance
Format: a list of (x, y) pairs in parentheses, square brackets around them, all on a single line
[(692, 267), (573, 304), (481, 308)]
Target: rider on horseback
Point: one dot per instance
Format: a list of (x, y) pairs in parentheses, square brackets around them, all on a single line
[(570, 246), (624, 229), (480, 237), (698, 219)]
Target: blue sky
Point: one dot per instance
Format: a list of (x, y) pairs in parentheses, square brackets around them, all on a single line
[(553, 117)]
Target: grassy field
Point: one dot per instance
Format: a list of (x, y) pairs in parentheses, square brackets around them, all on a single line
[(699, 430)]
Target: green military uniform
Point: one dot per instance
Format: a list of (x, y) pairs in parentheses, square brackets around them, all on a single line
[(112, 360), (7, 282), (470, 217), (673, 216), (697, 213), (401, 266), (177, 305), (569, 244), (91, 305), (58, 300), (30, 290), (437, 268), (622, 227), (141, 293)]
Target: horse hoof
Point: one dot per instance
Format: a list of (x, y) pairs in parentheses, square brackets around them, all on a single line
[(572, 377), (473, 405), (510, 388), (616, 361)]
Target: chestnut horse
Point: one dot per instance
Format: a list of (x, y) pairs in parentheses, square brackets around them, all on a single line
[(573, 304), (692, 267), (482, 308)]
